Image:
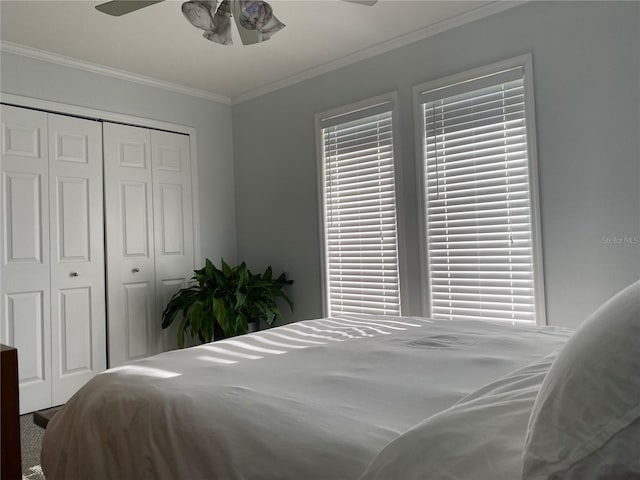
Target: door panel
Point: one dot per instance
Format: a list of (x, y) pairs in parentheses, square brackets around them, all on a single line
[(25, 331), (171, 222), (138, 301), (78, 330), (133, 151), (21, 136), (24, 278), (71, 147), (133, 321), (76, 352), (73, 219), (135, 219), (22, 217)]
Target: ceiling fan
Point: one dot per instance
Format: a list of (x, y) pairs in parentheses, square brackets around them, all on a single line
[(254, 19)]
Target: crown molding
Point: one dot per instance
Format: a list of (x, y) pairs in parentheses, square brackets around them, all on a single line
[(57, 59), (384, 47)]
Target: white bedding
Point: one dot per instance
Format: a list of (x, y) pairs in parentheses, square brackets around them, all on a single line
[(312, 400), (481, 437)]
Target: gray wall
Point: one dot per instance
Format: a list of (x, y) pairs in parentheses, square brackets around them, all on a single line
[(587, 98), (212, 121)]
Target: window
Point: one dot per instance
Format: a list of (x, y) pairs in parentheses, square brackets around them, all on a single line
[(359, 209), (482, 247)]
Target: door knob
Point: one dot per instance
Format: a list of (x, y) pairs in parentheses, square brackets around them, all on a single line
[(74, 274), (135, 270)]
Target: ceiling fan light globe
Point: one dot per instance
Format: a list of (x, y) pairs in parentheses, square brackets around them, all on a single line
[(222, 39), (220, 32), (271, 28), (224, 9), (200, 13), (255, 14)]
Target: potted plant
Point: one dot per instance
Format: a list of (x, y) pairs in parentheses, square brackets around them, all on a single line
[(224, 301)]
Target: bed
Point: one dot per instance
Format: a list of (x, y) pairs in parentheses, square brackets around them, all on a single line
[(359, 397)]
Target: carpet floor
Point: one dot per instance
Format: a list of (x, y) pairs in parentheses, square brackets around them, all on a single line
[(31, 442)]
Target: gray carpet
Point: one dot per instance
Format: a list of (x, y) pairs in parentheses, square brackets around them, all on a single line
[(31, 441)]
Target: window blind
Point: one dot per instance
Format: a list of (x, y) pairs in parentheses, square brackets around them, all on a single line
[(359, 212), (480, 255)]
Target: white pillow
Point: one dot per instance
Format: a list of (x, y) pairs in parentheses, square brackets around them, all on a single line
[(584, 423)]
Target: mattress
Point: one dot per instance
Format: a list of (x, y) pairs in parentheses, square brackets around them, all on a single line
[(317, 399)]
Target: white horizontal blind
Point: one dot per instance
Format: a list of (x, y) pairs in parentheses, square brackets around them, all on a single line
[(359, 205), (478, 203)]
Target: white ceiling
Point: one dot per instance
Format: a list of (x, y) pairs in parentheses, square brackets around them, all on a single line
[(158, 42)]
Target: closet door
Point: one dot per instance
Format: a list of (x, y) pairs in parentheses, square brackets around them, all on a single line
[(24, 315), (173, 223), (149, 236), (78, 329), (133, 326)]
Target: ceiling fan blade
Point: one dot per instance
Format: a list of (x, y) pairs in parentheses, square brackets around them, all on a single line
[(363, 2), (122, 7)]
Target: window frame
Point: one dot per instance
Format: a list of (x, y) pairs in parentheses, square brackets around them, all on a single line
[(526, 63), (349, 111)]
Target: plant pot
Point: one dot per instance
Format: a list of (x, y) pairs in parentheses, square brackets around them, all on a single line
[(253, 326), (218, 333)]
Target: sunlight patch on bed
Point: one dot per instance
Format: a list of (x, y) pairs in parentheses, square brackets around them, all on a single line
[(299, 336), (248, 346), (231, 353), (313, 335), (209, 358), (330, 330), (144, 371), (375, 326), (294, 339), (278, 344), (362, 330), (383, 322)]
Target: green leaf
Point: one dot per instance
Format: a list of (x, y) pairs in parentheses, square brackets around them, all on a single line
[(181, 300), (242, 324), (207, 331), (226, 270), (218, 277), (220, 312), (268, 274), (276, 312), (181, 329), (197, 318), (241, 297), (243, 275), (208, 267)]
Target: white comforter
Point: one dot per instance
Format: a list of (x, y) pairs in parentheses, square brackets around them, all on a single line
[(480, 438), (312, 400)]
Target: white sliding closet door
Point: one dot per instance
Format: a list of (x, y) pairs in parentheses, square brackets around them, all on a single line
[(78, 320), (52, 285), (149, 235), (25, 315)]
